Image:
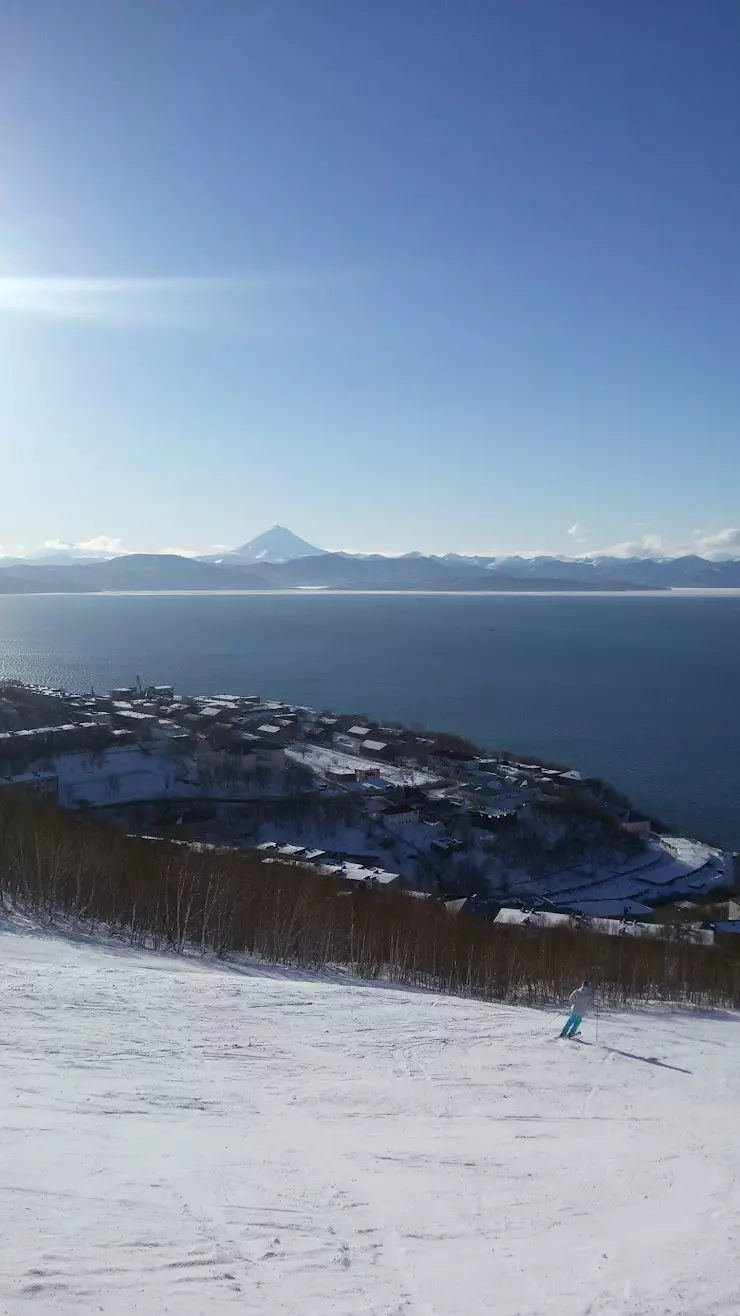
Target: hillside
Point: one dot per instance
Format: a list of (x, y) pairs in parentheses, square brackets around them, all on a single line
[(182, 1138), (168, 571), (136, 571)]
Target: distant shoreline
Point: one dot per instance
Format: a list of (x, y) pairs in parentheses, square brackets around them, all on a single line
[(568, 591)]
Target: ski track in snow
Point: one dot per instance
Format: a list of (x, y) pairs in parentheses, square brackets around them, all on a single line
[(186, 1138)]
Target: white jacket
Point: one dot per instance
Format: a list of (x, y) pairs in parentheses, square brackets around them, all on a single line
[(581, 1000)]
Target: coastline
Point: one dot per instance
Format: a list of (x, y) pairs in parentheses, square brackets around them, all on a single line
[(305, 591), (640, 693), (374, 801)]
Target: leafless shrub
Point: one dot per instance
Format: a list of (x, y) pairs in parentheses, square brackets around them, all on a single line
[(169, 896)]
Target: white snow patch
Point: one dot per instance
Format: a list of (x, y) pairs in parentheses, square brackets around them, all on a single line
[(322, 760)]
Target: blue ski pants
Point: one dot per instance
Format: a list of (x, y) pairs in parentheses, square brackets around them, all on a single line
[(572, 1025)]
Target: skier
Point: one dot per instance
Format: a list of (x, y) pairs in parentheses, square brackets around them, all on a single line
[(580, 1001)]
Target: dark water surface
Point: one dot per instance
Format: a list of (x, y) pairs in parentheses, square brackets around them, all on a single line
[(641, 689)]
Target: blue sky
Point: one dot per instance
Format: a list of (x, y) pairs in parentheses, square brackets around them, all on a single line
[(400, 274)]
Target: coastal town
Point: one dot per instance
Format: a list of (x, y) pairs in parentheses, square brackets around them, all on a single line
[(373, 805)]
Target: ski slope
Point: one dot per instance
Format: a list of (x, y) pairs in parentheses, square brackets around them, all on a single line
[(190, 1139)]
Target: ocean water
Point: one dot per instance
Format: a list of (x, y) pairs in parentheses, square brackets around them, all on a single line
[(643, 690)]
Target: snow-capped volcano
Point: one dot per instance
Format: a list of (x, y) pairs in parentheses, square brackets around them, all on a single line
[(275, 545)]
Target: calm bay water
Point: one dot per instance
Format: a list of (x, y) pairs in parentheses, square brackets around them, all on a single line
[(641, 689)]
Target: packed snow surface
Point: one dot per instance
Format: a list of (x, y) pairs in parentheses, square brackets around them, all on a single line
[(190, 1139)]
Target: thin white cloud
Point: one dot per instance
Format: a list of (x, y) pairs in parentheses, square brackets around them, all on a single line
[(644, 546), (725, 543), (259, 305), (99, 544), (106, 546), (578, 533), (717, 547)]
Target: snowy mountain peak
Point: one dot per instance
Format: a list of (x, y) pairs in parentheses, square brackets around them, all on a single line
[(278, 544)]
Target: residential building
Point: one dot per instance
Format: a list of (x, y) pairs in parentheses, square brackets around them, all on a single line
[(378, 749), (399, 816), (269, 755), (376, 804), (44, 784), (447, 845), (354, 736), (369, 877), (140, 723), (274, 733), (636, 824), (459, 906), (33, 742)]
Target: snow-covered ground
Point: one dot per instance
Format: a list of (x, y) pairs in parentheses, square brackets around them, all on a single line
[(184, 1138), (123, 773), (670, 865), (131, 773), (322, 760)]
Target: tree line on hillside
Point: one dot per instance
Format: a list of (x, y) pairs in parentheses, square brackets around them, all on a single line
[(159, 894)]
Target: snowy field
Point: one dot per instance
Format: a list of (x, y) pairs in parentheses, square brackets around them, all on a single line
[(180, 1138)]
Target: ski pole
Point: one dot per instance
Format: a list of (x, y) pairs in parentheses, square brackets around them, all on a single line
[(597, 1022)]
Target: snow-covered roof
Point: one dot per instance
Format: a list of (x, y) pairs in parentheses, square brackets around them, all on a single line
[(454, 906), (23, 778), (359, 873), (37, 733), (542, 918), (607, 908)]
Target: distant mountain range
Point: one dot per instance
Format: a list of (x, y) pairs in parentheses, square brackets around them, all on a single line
[(278, 559)]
